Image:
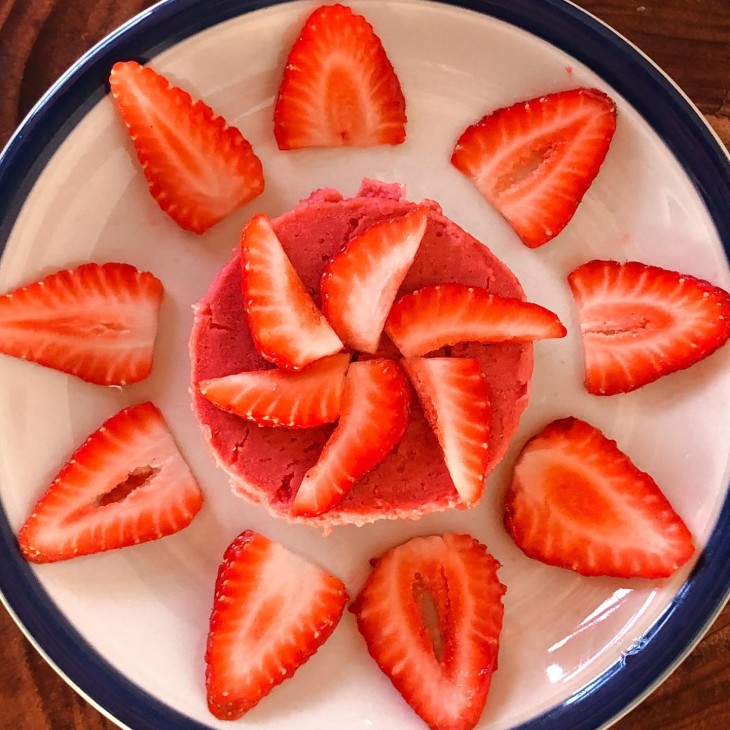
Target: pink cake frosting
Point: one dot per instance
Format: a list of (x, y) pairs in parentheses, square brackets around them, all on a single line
[(266, 465)]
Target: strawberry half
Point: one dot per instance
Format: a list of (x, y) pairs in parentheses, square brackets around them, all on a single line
[(446, 314), (310, 397), (375, 411), (339, 88), (285, 323), (641, 322), (578, 502), (199, 169), (272, 611), (97, 322), (431, 616), (126, 484), (535, 160), (360, 283), (455, 399)]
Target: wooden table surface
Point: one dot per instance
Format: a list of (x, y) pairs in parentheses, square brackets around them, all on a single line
[(690, 39)]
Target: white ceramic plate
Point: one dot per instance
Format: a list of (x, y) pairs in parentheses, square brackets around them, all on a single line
[(129, 628)]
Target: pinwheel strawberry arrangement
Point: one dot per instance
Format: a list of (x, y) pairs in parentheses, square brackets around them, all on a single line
[(377, 358)]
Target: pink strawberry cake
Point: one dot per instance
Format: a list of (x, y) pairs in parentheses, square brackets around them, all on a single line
[(266, 465)]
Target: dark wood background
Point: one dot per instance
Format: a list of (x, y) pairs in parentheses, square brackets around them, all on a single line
[(690, 39)]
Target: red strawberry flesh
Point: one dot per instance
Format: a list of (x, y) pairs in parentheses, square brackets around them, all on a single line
[(455, 399), (360, 283), (307, 398), (285, 323), (578, 502), (375, 409), (126, 484), (339, 88), (639, 322), (272, 611), (199, 169), (535, 160), (446, 314), (97, 322), (442, 666)]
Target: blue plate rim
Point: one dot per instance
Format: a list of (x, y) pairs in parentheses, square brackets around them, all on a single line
[(564, 25)]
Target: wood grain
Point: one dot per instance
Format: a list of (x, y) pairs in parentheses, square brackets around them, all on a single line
[(690, 39)]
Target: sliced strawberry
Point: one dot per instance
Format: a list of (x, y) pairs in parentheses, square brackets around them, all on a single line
[(198, 168), (339, 88), (272, 611), (446, 314), (578, 502), (455, 399), (535, 160), (431, 615), (126, 484), (310, 397), (360, 283), (97, 322), (374, 417), (641, 322), (285, 323)]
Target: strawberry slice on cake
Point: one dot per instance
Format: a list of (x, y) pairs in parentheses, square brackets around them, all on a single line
[(375, 410), (285, 323), (126, 484), (360, 283), (339, 88), (198, 167), (304, 399), (431, 615), (97, 322), (272, 611), (446, 314), (639, 322), (455, 399), (577, 501), (535, 160)]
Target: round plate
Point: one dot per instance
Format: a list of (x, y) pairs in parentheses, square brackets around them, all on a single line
[(128, 629)]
